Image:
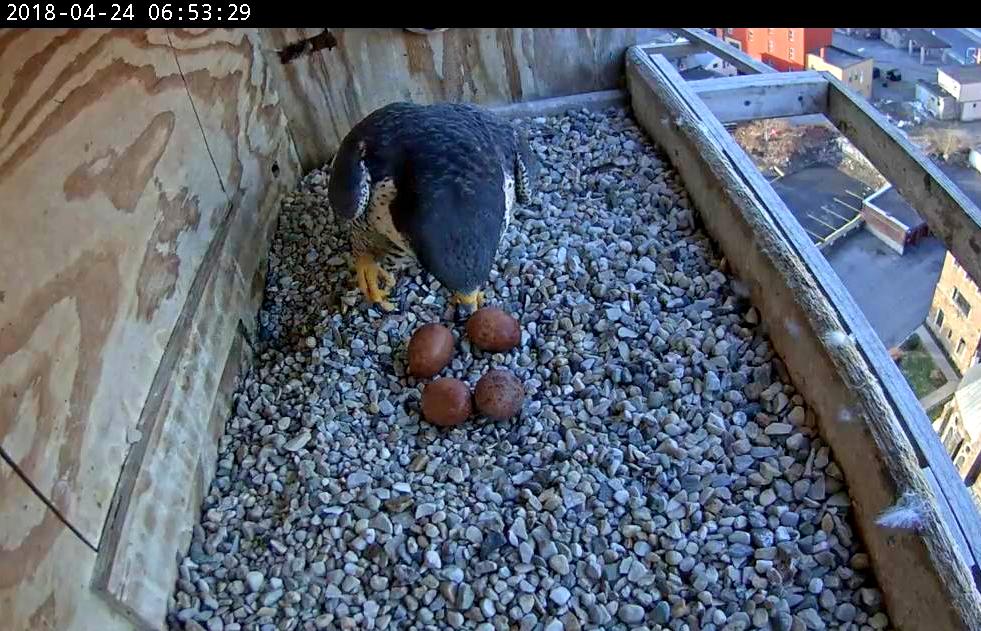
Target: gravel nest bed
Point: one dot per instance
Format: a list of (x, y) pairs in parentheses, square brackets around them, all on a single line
[(663, 473)]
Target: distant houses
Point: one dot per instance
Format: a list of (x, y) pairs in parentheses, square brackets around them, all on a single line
[(917, 40), (964, 84), (853, 70), (955, 315), (956, 95), (959, 427), (937, 101), (782, 48)]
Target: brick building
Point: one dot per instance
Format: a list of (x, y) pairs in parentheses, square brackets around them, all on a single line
[(782, 48), (853, 70), (959, 426), (955, 315)]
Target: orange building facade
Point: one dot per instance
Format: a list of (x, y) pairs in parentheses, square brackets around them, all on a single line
[(782, 48)]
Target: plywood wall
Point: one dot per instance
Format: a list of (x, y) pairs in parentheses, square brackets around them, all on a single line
[(44, 567), (139, 176), (327, 91), (138, 185)]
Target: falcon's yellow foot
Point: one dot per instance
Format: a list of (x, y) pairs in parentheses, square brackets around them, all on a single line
[(368, 272), (474, 299)]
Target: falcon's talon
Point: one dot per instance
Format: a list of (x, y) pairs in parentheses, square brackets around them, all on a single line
[(474, 299), (368, 272)]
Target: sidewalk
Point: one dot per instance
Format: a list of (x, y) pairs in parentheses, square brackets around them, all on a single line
[(938, 357)]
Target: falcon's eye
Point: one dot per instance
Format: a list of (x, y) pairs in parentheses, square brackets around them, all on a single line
[(349, 188)]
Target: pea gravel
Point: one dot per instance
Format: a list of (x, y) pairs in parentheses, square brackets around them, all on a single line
[(663, 473)]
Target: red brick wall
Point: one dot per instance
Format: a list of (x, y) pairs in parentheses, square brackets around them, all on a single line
[(783, 48), (879, 223)]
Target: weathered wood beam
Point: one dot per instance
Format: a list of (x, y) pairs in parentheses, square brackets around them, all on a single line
[(710, 43), (925, 580), (561, 104), (949, 213), (674, 50), (752, 97)]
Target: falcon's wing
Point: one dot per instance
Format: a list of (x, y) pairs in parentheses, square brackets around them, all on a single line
[(525, 168)]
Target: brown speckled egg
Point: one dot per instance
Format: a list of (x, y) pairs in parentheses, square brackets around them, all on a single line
[(499, 394), (430, 350), (494, 330), (446, 402)]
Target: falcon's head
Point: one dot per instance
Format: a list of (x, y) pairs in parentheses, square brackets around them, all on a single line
[(350, 183)]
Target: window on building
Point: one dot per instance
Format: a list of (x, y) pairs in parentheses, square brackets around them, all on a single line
[(769, 31), (963, 456), (961, 302), (951, 442), (939, 321), (948, 334), (791, 53), (769, 45), (728, 31), (960, 346), (957, 448), (749, 34), (948, 415), (790, 34)]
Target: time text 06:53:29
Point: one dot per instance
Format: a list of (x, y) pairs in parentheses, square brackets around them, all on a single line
[(116, 12)]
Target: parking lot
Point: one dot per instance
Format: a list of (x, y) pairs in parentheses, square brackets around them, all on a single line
[(824, 200), (886, 57)]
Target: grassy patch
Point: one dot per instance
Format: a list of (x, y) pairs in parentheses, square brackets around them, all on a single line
[(917, 366)]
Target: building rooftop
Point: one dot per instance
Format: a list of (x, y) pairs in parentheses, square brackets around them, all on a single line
[(892, 204), (933, 88), (926, 39), (839, 57), (963, 74)]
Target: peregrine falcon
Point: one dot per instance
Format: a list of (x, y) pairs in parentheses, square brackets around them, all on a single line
[(436, 183)]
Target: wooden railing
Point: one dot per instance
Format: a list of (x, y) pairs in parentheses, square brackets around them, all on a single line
[(866, 410)]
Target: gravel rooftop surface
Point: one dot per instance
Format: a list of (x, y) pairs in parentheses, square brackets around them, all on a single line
[(663, 474)]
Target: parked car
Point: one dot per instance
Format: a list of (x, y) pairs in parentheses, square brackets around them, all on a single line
[(894, 75)]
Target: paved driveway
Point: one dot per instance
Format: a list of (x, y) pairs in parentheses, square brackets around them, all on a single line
[(894, 292)]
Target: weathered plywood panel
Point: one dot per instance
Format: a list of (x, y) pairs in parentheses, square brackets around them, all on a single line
[(233, 86), (160, 496), (171, 468), (110, 202), (45, 568), (326, 92)]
